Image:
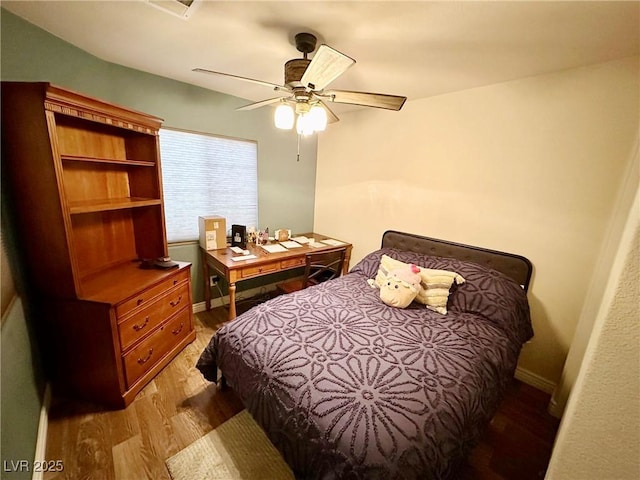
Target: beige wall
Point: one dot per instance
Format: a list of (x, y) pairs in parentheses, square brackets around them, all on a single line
[(530, 166), (626, 201), (599, 437)]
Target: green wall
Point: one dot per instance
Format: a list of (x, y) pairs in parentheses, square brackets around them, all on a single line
[(21, 394)]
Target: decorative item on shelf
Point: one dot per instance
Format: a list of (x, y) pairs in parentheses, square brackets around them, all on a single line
[(161, 263), (282, 235), (263, 237), (165, 262), (238, 236), (252, 235)]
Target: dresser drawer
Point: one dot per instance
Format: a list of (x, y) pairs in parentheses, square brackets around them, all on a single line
[(150, 350), (259, 270), (146, 296), (142, 322)]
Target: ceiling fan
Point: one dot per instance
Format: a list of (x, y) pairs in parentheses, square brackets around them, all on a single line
[(304, 92)]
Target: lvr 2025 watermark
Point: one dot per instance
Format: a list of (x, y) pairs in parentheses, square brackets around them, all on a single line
[(29, 466)]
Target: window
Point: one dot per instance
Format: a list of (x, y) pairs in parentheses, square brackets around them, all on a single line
[(206, 175)]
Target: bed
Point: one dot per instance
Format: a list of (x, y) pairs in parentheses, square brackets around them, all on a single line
[(348, 387)]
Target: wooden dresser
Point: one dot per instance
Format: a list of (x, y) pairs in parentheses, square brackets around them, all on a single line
[(85, 197)]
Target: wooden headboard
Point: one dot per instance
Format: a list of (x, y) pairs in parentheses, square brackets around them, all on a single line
[(515, 266)]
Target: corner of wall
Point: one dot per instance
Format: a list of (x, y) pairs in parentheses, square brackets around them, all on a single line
[(598, 435), (625, 203)]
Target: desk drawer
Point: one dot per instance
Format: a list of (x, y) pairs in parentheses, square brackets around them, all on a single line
[(259, 270), (144, 321), (146, 296), (148, 352), (292, 263)]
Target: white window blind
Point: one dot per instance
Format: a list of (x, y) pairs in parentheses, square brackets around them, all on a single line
[(205, 175)]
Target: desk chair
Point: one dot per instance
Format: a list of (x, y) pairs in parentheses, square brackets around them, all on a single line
[(319, 267)]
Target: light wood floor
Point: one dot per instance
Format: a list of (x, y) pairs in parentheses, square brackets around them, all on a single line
[(175, 409), (179, 406)]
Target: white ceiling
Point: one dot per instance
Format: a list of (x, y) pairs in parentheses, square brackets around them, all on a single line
[(418, 49)]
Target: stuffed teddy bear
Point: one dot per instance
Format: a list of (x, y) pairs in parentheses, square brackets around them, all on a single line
[(399, 287), (433, 286)]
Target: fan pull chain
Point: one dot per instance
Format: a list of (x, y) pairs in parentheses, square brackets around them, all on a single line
[(298, 148)]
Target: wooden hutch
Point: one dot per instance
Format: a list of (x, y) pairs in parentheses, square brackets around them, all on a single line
[(85, 188)]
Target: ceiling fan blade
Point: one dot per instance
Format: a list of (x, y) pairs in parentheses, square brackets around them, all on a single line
[(262, 103), (327, 65), (275, 86), (331, 117), (378, 100)]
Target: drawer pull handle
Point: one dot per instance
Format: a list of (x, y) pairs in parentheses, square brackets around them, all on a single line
[(140, 300), (175, 282), (173, 303), (142, 361), (178, 330), (137, 328)]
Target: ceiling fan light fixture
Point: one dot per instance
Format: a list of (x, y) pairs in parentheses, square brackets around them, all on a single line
[(302, 106), (284, 117), (318, 118), (310, 118), (304, 125)]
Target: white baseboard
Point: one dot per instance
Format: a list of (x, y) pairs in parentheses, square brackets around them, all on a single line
[(554, 409), (224, 301), (41, 440), (200, 307), (535, 380)]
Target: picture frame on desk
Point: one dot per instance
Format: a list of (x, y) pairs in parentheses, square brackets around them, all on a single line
[(238, 236)]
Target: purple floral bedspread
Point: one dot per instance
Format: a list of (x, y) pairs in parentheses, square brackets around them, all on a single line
[(347, 387)]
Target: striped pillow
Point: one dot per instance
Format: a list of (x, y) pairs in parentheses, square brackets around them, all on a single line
[(435, 286)]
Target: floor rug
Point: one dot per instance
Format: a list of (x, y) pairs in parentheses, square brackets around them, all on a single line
[(237, 449)]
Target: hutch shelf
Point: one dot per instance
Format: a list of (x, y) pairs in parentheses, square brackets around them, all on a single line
[(85, 189)]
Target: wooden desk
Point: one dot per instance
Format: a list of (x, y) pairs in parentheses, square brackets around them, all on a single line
[(264, 264)]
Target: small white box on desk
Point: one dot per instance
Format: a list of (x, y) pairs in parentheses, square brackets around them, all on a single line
[(213, 232)]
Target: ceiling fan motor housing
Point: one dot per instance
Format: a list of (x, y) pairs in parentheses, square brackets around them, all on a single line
[(293, 71)]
